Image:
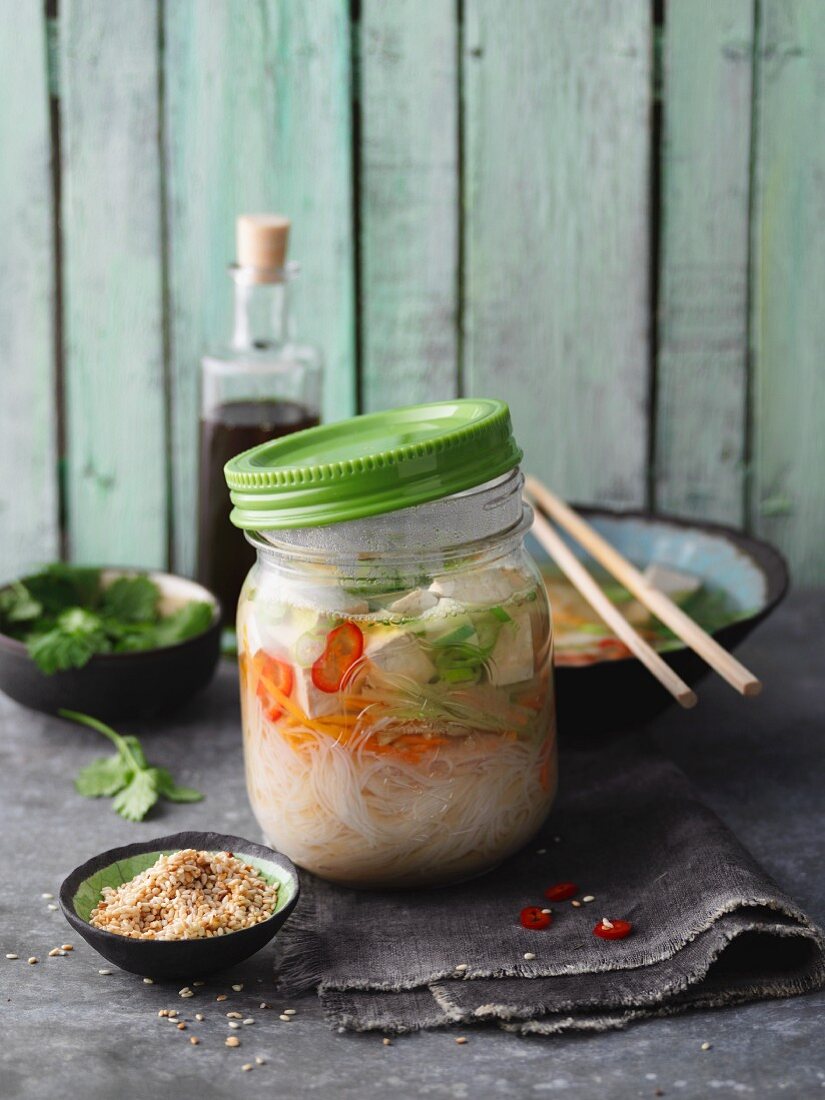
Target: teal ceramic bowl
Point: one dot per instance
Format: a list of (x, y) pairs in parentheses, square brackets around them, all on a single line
[(611, 695), (80, 893)]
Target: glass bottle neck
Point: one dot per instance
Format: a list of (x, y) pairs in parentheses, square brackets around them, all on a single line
[(261, 313)]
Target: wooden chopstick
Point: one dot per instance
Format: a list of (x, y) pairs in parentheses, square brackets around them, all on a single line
[(581, 579), (739, 677)]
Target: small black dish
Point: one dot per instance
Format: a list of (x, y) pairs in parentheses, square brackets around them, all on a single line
[(114, 686), (174, 958)]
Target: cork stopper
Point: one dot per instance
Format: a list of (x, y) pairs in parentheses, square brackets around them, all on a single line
[(261, 241)]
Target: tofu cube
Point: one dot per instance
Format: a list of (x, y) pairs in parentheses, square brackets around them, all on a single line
[(414, 603), (484, 589), (398, 653), (312, 701), (511, 661)]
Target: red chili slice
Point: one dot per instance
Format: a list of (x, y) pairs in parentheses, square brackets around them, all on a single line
[(343, 648), (616, 930), (561, 891), (532, 917), (279, 674)]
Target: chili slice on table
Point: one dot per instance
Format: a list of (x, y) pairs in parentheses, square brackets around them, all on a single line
[(279, 674), (612, 929), (344, 646), (532, 917), (561, 891)]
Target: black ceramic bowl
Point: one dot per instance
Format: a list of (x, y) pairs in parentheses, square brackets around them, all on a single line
[(80, 893), (601, 698), (121, 685)]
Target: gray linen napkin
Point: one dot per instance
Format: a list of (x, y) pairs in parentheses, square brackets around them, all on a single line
[(709, 926)]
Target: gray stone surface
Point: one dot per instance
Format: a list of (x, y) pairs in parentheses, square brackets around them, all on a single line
[(68, 1031)]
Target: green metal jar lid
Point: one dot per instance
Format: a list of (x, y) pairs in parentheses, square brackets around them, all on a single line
[(371, 464)]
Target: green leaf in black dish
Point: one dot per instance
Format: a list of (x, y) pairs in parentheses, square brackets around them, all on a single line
[(193, 618), (17, 605), (131, 599), (138, 797), (60, 586), (103, 777)]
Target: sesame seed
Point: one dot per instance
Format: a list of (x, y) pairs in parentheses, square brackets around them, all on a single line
[(387, 1042), (461, 1040), (234, 1015), (198, 1015), (260, 1061), (181, 1026), (11, 955), (55, 951), (248, 1021), (606, 923), (148, 981), (290, 1012), (541, 851), (172, 1013), (105, 973), (32, 960), (198, 983), (189, 993), (48, 897), (232, 1041), (238, 987), (53, 908), (163, 1012), (194, 1040), (705, 1046), (576, 904), (234, 1024), (461, 966), (264, 1004), (285, 1018), (246, 1067), (588, 898), (221, 997), (185, 989), (529, 956), (547, 911), (66, 947)]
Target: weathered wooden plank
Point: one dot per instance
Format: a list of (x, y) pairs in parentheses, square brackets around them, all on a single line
[(556, 276), (703, 290), (258, 117), (789, 285), (409, 201), (28, 486), (111, 218)]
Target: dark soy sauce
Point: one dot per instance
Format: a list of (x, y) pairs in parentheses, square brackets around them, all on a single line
[(224, 555)]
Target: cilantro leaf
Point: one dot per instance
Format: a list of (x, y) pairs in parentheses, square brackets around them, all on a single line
[(17, 605), (136, 785), (193, 618), (104, 777), (60, 586), (70, 643), (138, 797), (131, 599)]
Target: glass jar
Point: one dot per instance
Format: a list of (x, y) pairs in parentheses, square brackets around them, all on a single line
[(396, 684)]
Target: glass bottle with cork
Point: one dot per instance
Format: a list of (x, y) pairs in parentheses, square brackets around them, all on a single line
[(259, 386)]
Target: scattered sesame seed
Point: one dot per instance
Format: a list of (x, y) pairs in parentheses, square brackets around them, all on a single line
[(189, 993), (541, 851), (181, 992), (246, 1067), (588, 898), (148, 981), (341, 1030), (48, 897), (53, 908), (163, 1012), (194, 1040), (606, 923), (238, 987), (198, 1015), (234, 1024), (461, 966), (55, 951), (221, 997), (705, 1046), (172, 1013), (264, 1004), (547, 911), (234, 1015), (387, 1042), (66, 947), (529, 956), (285, 1018), (232, 1041), (32, 960), (181, 1026), (248, 1021), (260, 1061), (11, 955), (198, 983), (461, 1040), (290, 1012), (105, 973), (576, 904)]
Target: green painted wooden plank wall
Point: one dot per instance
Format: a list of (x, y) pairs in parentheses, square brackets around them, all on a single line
[(482, 203)]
